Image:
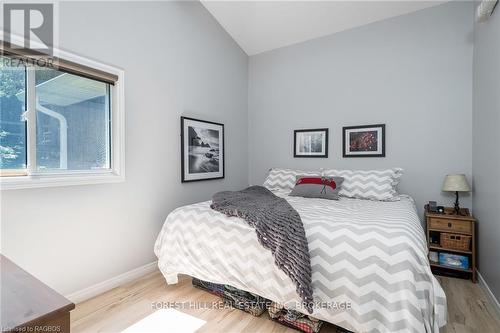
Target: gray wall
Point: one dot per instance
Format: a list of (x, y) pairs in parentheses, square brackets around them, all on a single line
[(486, 158), (413, 72), (178, 61)]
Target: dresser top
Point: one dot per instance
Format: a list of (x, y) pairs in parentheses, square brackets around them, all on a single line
[(25, 298)]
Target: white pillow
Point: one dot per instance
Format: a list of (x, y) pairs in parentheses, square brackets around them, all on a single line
[(368, 184), (280, 179)]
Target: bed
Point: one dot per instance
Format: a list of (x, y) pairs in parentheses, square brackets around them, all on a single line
[(370, 271)]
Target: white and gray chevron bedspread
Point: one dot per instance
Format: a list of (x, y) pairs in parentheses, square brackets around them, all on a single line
[(370, 271)]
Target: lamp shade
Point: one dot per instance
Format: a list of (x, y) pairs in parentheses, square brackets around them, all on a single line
[(456, 183)]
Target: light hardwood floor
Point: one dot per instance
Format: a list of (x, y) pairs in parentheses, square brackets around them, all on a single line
[(117, 309)]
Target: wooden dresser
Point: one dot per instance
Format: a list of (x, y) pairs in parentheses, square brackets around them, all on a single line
[(28, 305)]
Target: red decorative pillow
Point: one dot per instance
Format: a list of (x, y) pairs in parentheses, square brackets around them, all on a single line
[(317, 187)]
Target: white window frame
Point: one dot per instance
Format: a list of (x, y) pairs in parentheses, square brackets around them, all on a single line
[(68, 178)]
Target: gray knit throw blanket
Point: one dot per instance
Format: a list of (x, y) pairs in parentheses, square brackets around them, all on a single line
[(279, 229)]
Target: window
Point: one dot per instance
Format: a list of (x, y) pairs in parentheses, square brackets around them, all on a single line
[(58, 126), (72, 122)]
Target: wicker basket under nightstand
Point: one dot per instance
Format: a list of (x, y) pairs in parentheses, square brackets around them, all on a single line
[(459, 230)]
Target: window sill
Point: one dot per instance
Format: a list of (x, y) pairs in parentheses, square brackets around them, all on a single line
[(55, 180)]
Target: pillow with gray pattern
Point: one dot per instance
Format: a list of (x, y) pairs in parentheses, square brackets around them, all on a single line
[(377, 185), (284, 179)]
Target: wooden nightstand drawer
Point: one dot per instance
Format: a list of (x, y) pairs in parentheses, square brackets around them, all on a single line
[(451, 225)]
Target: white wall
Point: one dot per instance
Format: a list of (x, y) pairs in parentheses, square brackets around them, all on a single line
[(178, 61), (413, 73), (486, 158)]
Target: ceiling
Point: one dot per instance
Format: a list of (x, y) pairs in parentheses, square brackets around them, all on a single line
[(259, 26)]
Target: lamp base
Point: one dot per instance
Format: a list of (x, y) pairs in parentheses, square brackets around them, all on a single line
[(457, 209)]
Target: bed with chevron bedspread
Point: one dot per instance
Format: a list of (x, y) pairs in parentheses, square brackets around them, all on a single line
[(370, 271)]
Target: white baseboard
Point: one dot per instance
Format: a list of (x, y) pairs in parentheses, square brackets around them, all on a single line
[(488, 292), (101, 287)]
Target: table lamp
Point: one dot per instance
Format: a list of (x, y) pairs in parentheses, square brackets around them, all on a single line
[(456, 183)]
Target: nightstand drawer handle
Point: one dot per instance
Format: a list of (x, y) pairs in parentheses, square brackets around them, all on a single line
[(449, 225)]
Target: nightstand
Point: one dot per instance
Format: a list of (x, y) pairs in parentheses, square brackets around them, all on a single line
[(452, 235)]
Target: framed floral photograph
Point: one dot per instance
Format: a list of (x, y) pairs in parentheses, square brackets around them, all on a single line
[(310, 143), (202, 150), (364, 141)]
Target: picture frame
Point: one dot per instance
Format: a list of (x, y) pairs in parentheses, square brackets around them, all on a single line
[(202, 150), (310, 143), (364, 141)]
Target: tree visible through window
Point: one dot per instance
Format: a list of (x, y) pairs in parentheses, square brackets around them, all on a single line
[(12, 125)]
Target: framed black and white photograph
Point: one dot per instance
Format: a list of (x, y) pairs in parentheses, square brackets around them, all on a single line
[(364, 141), (310, 143), (202, 150)]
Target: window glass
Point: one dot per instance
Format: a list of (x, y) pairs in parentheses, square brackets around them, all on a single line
[(12, 107), (73, 122)]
